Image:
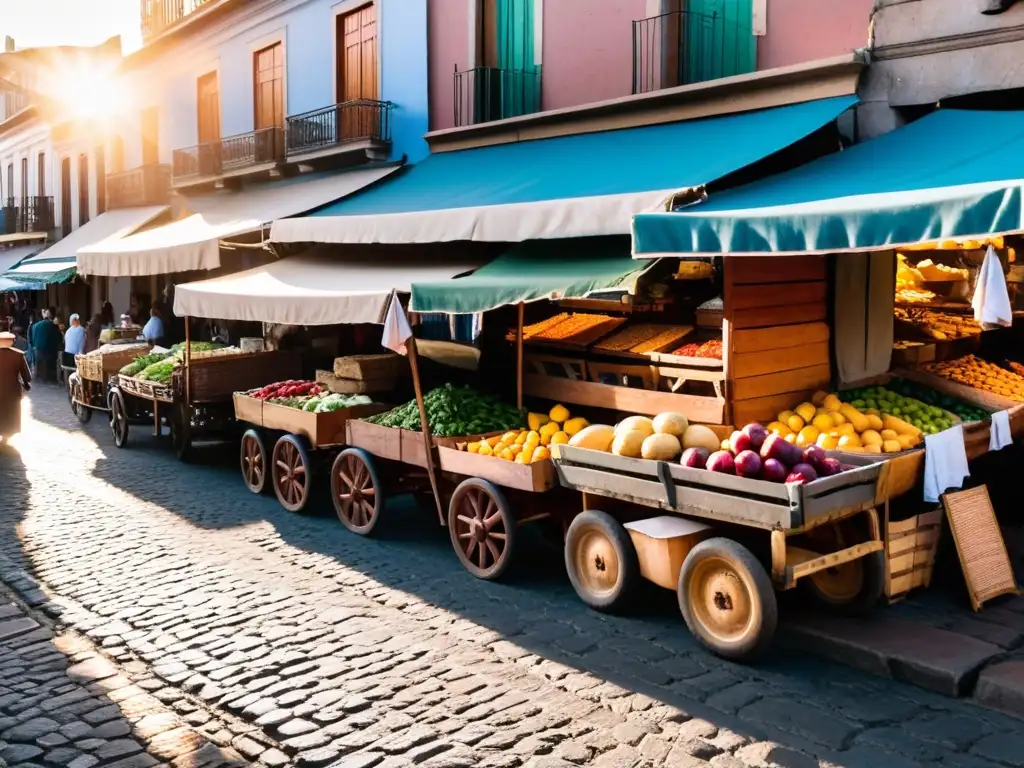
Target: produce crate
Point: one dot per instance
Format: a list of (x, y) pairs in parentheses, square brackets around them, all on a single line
[(980, 398), (556, 366), (150, 390), (401, 445), (333, 383), (662, 544), (727, 498), (524, 477), (369, 367), (100, 367), (320, 429), (217, 378), (248, 408), (910, 548)]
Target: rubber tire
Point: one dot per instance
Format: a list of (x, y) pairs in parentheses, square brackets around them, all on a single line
[(261, 443), (741, 559), (871, 591), (117, 403), (378, 491), (629, 563), (300, 445), (497, 570)]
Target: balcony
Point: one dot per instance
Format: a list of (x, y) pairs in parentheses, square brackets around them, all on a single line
[(683, 48), (361, 126), (160, 15), (486, 94), (145, 185), (29, 214), (258, 152)]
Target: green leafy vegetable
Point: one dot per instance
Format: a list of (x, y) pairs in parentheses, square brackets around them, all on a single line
[(454, 411)]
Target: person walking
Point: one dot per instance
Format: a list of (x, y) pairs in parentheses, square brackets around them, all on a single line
[(14, 376), (74, 337), (46, 342)]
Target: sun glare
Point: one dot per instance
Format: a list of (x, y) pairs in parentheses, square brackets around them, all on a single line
[(85, 92)]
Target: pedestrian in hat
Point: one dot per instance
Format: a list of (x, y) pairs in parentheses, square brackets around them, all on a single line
[(14, 376)]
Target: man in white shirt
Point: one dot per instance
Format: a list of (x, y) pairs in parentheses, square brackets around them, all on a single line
[(153, 332), (74, 339)]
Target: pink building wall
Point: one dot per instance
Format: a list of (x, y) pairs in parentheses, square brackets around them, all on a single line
[(448, 45), (600, 64), (805, 30)]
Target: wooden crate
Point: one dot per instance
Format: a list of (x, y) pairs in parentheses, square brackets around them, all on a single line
[(147, 390), (524, 477), (320, 429), (978, 397), (247, 408), (662, 544), (216, 378), (910, 548), (332, 383), (368, 367), (100, 367), (615, 374), (555, 366), (390, 443)]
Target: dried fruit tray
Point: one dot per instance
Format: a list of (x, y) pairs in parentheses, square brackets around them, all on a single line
[(642, 339), (576, 331)]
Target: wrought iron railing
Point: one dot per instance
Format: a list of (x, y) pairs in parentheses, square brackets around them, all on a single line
[(355, 120), (683, 47), (483, 94), (159, 15), (145, 185), (231, 153), (28, 214)]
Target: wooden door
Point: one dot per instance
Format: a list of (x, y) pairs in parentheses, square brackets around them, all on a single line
[(65, 196), (151, 136), (718, 39), (357, 75), (83, 190), (41, 175), (208, 103), (101, 180), (268, 77), (24, 183)]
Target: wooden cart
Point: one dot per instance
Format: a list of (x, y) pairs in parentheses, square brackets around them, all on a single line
[(88, 390), (824, 534), (197, 404)]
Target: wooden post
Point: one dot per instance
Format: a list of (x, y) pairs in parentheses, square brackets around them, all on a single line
[(188, 361), (519, 357), (410, 345)]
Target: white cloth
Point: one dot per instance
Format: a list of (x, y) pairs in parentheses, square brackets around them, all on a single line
[(396, 327), (74, 340), (991, 300), (154, 329), (945, 462), (999, 433)]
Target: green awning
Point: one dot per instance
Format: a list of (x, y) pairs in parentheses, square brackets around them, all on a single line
[(534, 271), (954, 174)]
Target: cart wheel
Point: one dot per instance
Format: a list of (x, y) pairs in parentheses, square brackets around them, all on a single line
[(83, 413), (601, 561), (254, 461), (292, 473), (356, 490), (118, 418), (851, 589), (181, 433), (481, 527), (727, 599)]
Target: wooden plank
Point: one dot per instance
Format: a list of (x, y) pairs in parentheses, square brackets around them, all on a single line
[(814, 377), (777, 269), (524, 477), (777, 360), (765, 409), (781, 337), (771, 317), (248, 409), (709, 410), (854, 498), (776, 295), (835, 558)]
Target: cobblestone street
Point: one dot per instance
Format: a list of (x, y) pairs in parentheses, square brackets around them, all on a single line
[(165, 614)]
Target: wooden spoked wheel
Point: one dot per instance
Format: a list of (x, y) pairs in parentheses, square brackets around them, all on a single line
[(601, 561), (292, 473), (253, 461), (482, 528), (118, 418), (727, 599), (356, 491), (76, 390)]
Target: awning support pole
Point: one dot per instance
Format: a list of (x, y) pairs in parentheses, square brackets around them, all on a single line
[(428, 442), (519, 356), (188, 362)]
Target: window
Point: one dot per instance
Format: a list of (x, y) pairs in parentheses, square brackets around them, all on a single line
[(101, 180), (208, 108), (357, 55), (151, 136), (65, 196), (41, 174), (116, 154), (83, 190), (24, 183), (506, 81), (10, 183)]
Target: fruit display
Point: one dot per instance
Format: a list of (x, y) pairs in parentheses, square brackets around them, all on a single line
[(929, 396), (528, 446), (643, 338), (711, 350), (832, 424), (888, 401), (972, 371), (579, 329), (939, 325), (914, 296), (1015, 367), (284, 390), (454, 411)]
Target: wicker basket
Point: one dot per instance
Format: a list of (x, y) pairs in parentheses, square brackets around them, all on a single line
[(217, 378), (150, 390), (100, 367)]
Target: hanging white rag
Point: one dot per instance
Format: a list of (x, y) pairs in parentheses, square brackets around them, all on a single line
[(945, 462), (396, 327), (999, 434), (991, 300)]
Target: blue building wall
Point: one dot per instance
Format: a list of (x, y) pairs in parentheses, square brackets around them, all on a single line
[(404, 74)]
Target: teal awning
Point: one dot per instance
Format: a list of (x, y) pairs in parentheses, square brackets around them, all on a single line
[(37, 270), (569, 186), (540, 269), (954, 174)]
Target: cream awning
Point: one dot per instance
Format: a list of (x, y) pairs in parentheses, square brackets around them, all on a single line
[(193, 243), (317, 288)]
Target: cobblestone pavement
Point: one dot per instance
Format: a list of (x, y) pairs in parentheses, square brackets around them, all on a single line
[(282, 639)]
